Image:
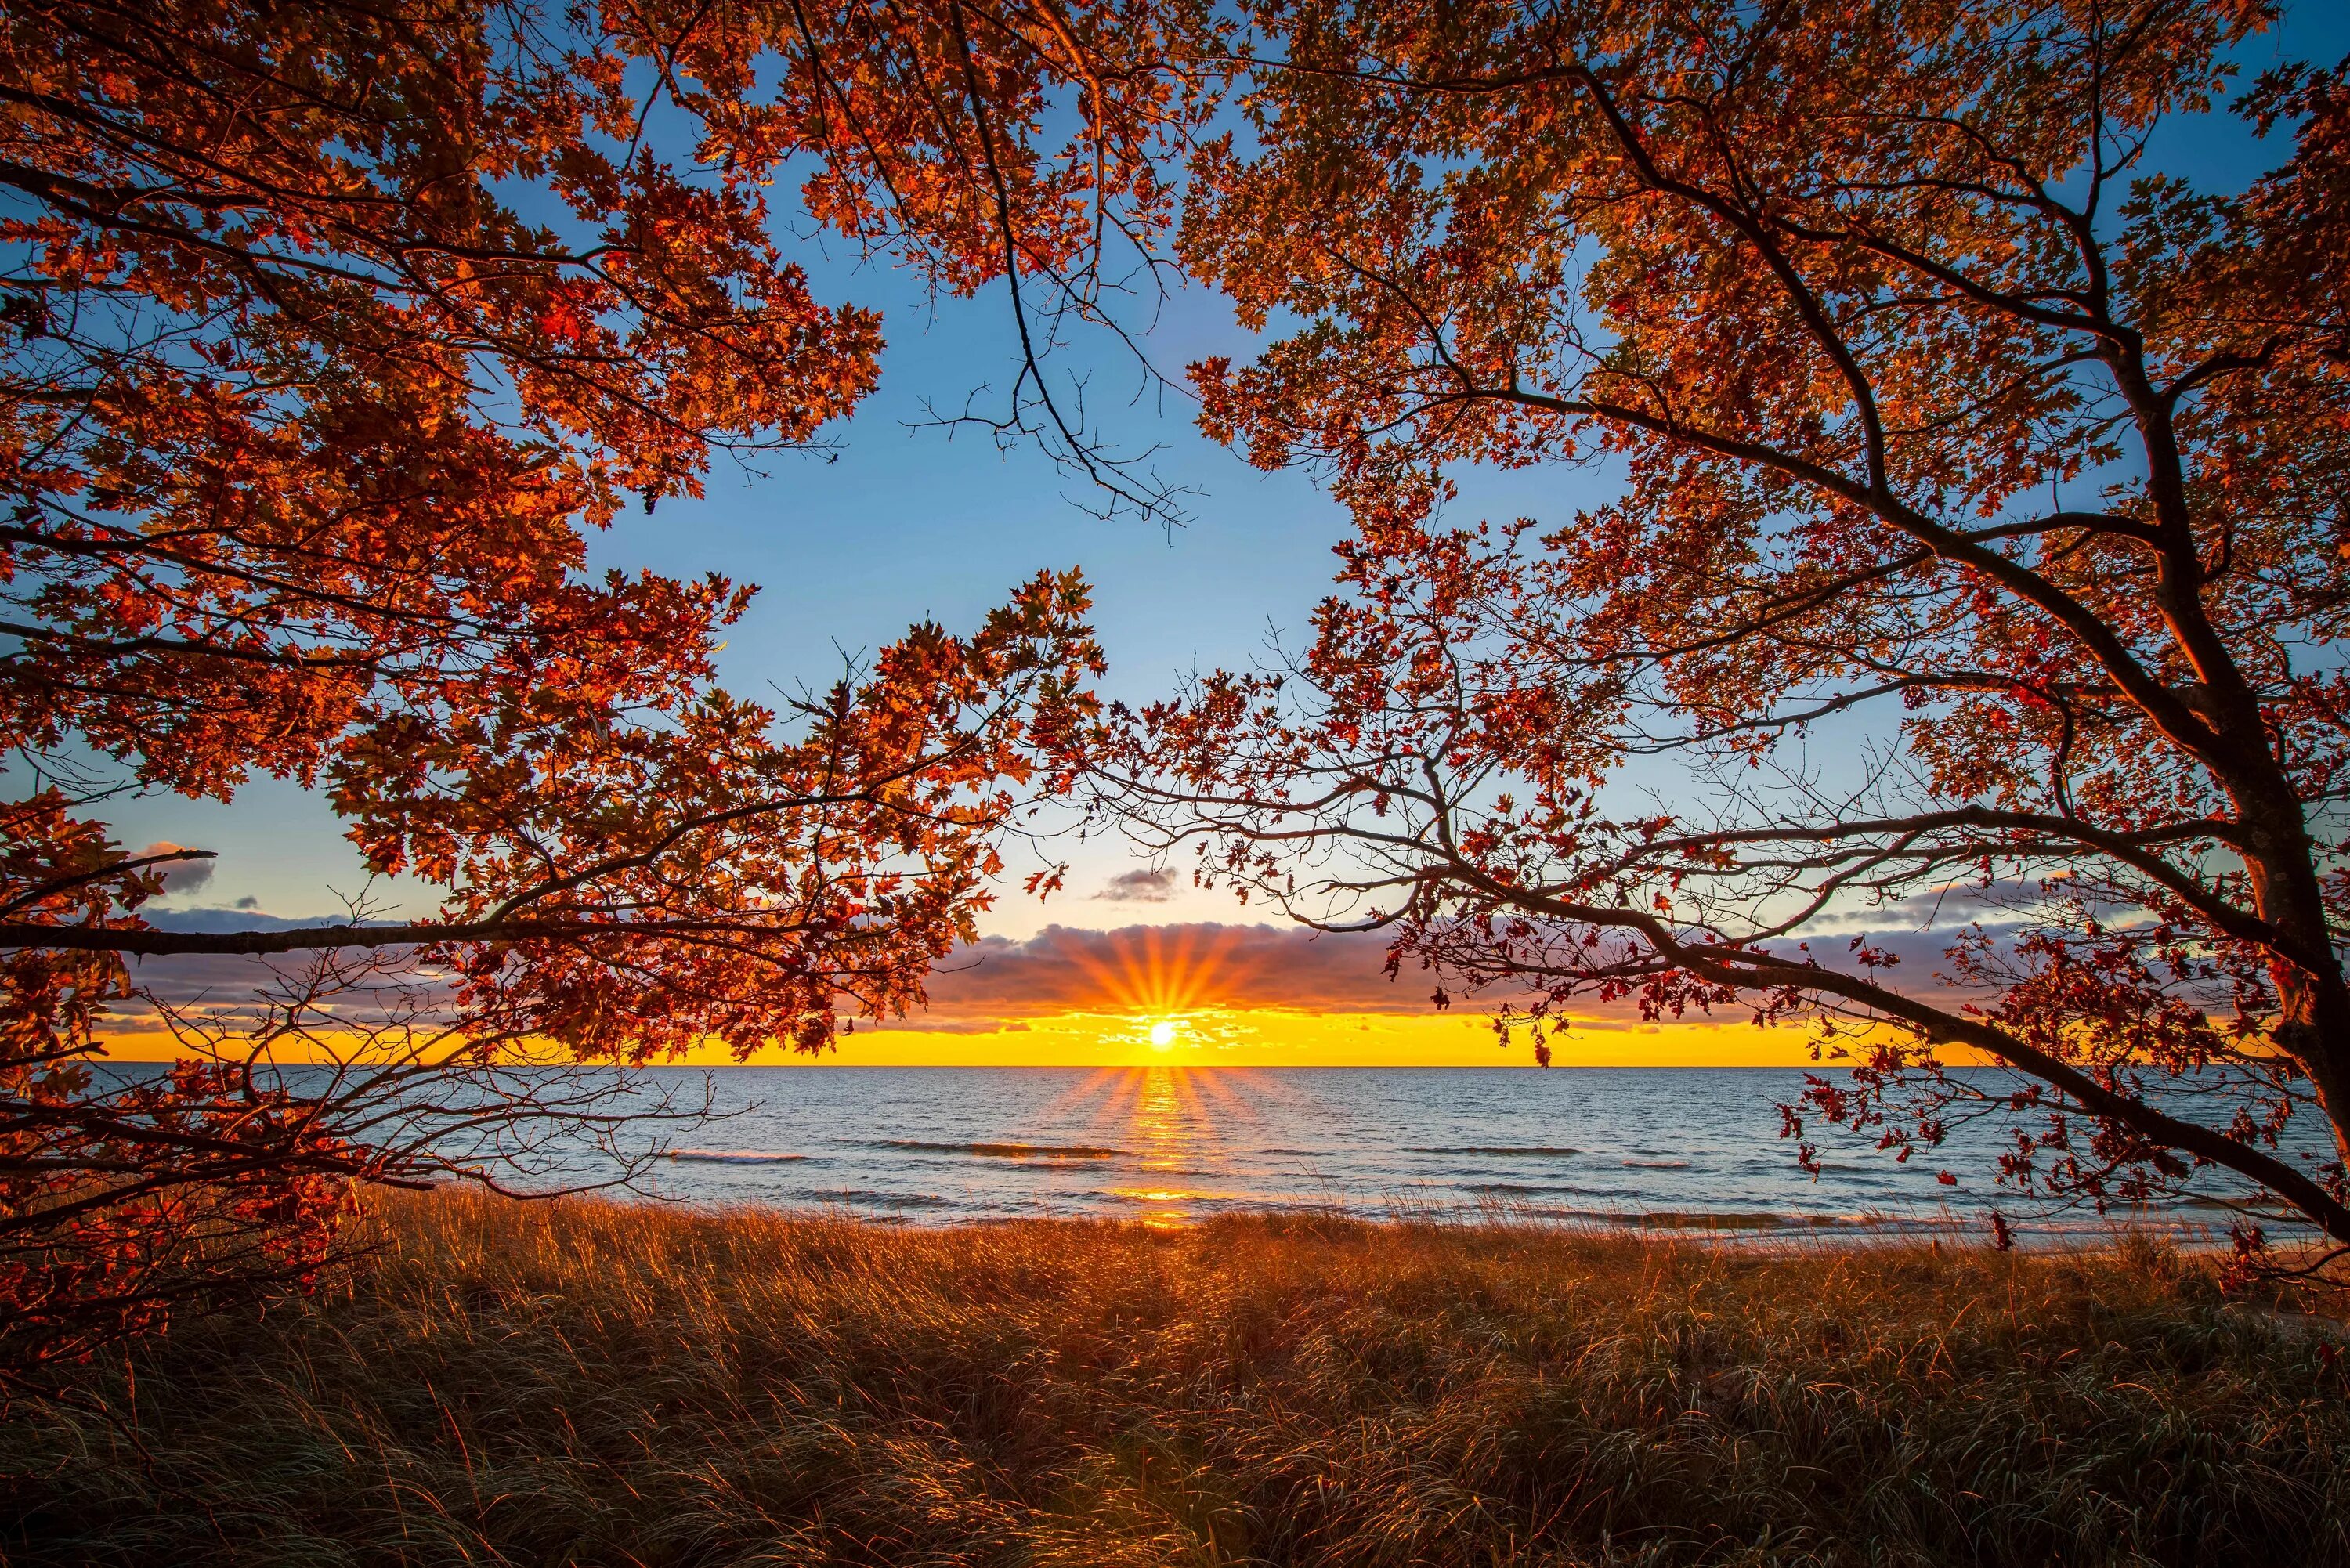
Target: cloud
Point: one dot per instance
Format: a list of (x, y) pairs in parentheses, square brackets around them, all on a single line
[(1140, 888), (1178, 968), (240, 918), (1922, 966), (2007, 901), (222, 979), (1184, 968), (928, 1024), (180, 875), (1172, 969)]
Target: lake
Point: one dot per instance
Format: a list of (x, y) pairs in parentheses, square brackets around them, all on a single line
[(1694, 1149)]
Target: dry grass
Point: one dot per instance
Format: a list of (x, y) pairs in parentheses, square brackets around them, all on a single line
[(598, 1385)]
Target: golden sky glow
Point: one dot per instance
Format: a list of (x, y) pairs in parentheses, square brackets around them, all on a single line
[(1246, 996), (1219, 1038), (1203, 995)]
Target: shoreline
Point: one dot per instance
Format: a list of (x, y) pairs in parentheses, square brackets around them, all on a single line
[(2083, 1230)]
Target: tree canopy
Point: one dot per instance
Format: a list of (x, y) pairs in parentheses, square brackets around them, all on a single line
[(1980, 548), (328, 335)]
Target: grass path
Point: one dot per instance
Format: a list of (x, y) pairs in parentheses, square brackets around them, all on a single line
[(590, 1384)]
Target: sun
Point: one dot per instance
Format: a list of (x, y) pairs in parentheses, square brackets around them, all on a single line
[(1162, 1034)]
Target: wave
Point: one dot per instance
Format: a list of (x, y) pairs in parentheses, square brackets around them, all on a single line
[(1008, 1150), (729, 1156), (855, 1197), (1706, 1219), (1191, 1197), (1654, 1164), (1506, 1151)]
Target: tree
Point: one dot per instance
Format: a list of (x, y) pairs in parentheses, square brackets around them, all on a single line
[(330, 331), (1982, 537)]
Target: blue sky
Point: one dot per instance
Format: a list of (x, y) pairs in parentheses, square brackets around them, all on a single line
[(905, 523)]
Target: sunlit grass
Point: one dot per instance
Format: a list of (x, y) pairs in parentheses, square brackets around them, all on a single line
[(593, 1384)]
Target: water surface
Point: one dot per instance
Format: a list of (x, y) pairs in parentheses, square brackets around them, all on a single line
[(1695, 1148)]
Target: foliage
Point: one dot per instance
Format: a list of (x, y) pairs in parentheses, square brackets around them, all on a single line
[(1979, 555), (327, 334), (596, 1383)]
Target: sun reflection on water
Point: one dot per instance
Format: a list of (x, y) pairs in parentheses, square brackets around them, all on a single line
[(1163, 1120), (1173, 1124)]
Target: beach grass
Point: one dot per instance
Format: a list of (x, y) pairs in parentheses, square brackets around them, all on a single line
[(593, 1383)]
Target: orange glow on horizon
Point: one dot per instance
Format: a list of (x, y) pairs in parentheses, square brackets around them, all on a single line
[(1242, 1038), (1236, 1038), (1211, 996)]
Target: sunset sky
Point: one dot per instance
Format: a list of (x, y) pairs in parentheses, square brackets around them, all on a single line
[(1253, 996), (1187, 993), (905, 519)]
